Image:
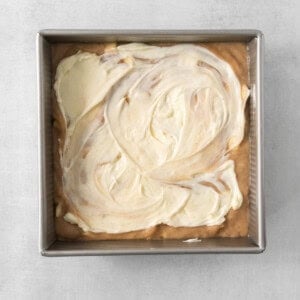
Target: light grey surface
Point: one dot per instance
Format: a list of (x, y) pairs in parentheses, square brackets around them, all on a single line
[(26, 275)]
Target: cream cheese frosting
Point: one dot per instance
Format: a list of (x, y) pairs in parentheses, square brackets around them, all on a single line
[(148, 131)]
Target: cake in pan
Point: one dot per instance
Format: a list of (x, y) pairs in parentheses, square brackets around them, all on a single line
[(150, 141)]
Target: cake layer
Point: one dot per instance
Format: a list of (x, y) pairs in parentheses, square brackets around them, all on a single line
[(148, 132)]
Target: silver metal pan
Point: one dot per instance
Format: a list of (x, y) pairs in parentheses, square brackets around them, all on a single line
[(50, 246)]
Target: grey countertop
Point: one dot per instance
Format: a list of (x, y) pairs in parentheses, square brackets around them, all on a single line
[(27, 275)]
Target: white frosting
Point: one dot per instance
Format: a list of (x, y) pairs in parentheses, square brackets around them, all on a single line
[(148, 130)]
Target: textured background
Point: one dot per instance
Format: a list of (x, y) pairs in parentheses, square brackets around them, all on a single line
[(26, 275)]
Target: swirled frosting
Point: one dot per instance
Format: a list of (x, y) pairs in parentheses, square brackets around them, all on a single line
[(148, 130)]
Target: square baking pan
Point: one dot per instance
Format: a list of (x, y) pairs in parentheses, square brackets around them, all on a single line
[(50, 246)]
